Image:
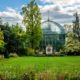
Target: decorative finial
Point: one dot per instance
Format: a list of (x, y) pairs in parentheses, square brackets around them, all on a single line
[(48, 16)]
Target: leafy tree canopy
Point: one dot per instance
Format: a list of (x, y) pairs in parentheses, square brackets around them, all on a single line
[(72, 45), (32, 20)]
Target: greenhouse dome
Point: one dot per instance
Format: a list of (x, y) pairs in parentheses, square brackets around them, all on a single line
[(53, 34)]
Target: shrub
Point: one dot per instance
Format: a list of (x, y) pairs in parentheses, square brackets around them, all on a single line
[(13, 55), (6, 54), (49, 55), (1, 56), (30, 52), (22, 52), (62, 52), (40, 55), (2, 44)]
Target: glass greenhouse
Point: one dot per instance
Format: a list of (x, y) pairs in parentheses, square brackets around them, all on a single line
[(53, 34)]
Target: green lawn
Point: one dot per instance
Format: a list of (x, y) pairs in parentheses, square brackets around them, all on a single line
[(40, 64)]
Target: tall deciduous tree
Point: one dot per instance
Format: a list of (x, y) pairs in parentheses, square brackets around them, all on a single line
[(76, 26), (32, 20), (72, 45)]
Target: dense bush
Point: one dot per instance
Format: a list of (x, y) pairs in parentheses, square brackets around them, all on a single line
[(12, 39), (72, 45), (30, 52), (2, 43), (13, 55), (40, 55), (22, 52), (1, 56)]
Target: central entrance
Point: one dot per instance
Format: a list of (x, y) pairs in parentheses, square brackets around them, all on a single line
[(49, 49)]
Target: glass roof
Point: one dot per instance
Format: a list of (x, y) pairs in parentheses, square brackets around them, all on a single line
[(50, 27)]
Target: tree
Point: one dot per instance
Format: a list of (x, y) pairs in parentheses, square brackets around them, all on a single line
[(32, 20), (76, 26), (72, 45), (17, 39), (2, 43), (1, 21), (14, 37), (6, 32)]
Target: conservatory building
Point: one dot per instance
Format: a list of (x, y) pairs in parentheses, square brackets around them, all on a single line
[(53, 35)]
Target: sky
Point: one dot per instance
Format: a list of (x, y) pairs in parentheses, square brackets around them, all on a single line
[(60, 11)]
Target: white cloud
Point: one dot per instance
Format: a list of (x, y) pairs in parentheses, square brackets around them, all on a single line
[(61, 2), (47, 7), (10, 9), (64, 6), (60, 10), (11, 15)]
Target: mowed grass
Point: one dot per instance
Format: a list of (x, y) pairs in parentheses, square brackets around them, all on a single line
[(39, 64)]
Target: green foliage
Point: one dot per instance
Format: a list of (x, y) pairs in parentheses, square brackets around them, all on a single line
[(14, 37), (32, 20), (30, 52), (2, 43), (6, 32), (18, 37), (76, 26), (13, 55), (72, 44)]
